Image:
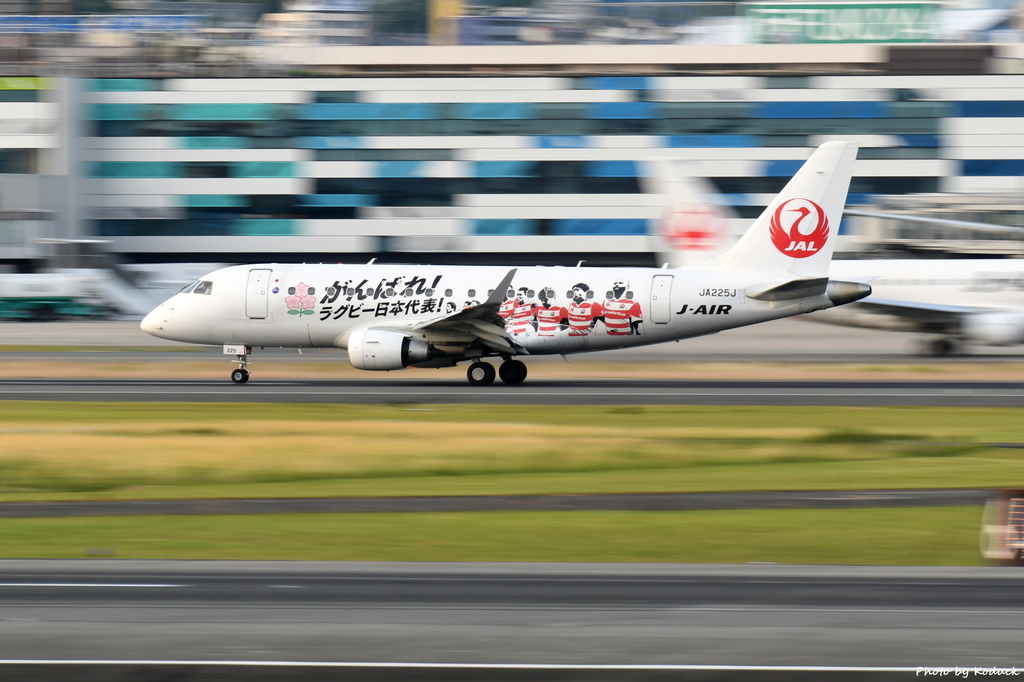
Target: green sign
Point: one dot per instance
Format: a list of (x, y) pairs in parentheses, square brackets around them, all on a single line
[(843, 22), (23, 83)]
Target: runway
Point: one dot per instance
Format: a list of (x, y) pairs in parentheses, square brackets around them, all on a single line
[(387, 391), (802, 358), (786, 499), (497, 621), (204, 621), (791, 339)]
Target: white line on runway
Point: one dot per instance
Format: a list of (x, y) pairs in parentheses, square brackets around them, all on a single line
[(480, 666), (565, 394), (116, 585)]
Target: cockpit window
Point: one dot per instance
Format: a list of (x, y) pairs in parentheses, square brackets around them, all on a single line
[(189, 288), (203, 287)]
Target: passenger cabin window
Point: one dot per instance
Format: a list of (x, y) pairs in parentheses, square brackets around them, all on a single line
[(203, 287)]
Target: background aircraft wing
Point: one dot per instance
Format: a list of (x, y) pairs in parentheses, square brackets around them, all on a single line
[(932, 317), (966, 225)]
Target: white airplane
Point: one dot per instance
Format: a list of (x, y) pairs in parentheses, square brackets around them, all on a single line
[(392, 317), (977, 301), (972, 301)]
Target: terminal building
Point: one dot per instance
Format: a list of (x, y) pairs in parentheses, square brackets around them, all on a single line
[(486, 154)]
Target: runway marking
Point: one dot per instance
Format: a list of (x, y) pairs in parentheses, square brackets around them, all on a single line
[(638, 667), (115, 585)]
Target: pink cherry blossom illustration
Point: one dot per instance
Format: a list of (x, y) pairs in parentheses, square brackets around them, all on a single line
[(300, 301)]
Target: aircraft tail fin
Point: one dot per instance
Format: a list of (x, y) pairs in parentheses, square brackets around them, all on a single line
[(795, 236)]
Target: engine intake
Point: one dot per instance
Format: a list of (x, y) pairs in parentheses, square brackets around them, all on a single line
[(382, 350), (994, 329)]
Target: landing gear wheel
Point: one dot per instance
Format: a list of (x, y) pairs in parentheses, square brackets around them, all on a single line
[(941, 347), (512, 372), (240, 375), (480, 374)]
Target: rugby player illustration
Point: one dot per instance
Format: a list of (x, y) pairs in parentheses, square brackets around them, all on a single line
[(583, 312), (622, 315), (548, 315), (518, 321), (506, 309)]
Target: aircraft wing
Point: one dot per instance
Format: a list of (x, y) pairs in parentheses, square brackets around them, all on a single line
[(480, 321), (969, 226), (927, 316)]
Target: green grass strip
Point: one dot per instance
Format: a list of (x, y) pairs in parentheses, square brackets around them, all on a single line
[(67, 451), (72, 450), (938, 536)]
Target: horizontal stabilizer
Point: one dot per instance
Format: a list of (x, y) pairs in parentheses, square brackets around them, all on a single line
[(798, 288), (837, 291)]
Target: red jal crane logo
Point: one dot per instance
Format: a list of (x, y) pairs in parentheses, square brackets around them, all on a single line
[(799, 228)]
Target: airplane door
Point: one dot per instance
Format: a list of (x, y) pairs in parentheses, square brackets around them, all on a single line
[(661, 299), (256, 294)]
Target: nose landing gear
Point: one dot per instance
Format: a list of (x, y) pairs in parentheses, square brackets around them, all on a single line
[(241, 353)]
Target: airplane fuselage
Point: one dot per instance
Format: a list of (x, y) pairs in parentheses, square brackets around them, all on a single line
[(395, 316), (973, 301), (981, 283), (545, 310)]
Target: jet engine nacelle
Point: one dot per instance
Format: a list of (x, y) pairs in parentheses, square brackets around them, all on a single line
[(381, 350), (994, 329)]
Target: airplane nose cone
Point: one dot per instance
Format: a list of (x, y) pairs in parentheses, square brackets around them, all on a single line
[(153, 323)]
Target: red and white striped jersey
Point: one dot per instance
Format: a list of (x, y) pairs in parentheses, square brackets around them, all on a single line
[(519, 322), (548, 319), (581, 315), (506, 309), (618, 313)]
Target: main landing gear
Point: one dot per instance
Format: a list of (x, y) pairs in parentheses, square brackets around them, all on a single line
[(511, 372), (940, 346)]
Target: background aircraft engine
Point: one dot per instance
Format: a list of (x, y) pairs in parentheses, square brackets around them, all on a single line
[(994, 329), (380, 349)]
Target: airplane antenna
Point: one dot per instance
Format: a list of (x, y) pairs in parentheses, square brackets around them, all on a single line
[(580, 263), (372, 260)]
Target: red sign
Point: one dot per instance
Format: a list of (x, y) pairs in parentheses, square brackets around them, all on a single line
[(693, 227), (799, 228)]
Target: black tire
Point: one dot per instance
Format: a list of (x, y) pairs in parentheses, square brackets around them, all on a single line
[(240, 376), (512, 372), (941, 347), (480, 374)]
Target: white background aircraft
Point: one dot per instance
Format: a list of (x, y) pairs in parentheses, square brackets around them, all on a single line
[(391, 317), (971, 301), (953, 301)]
